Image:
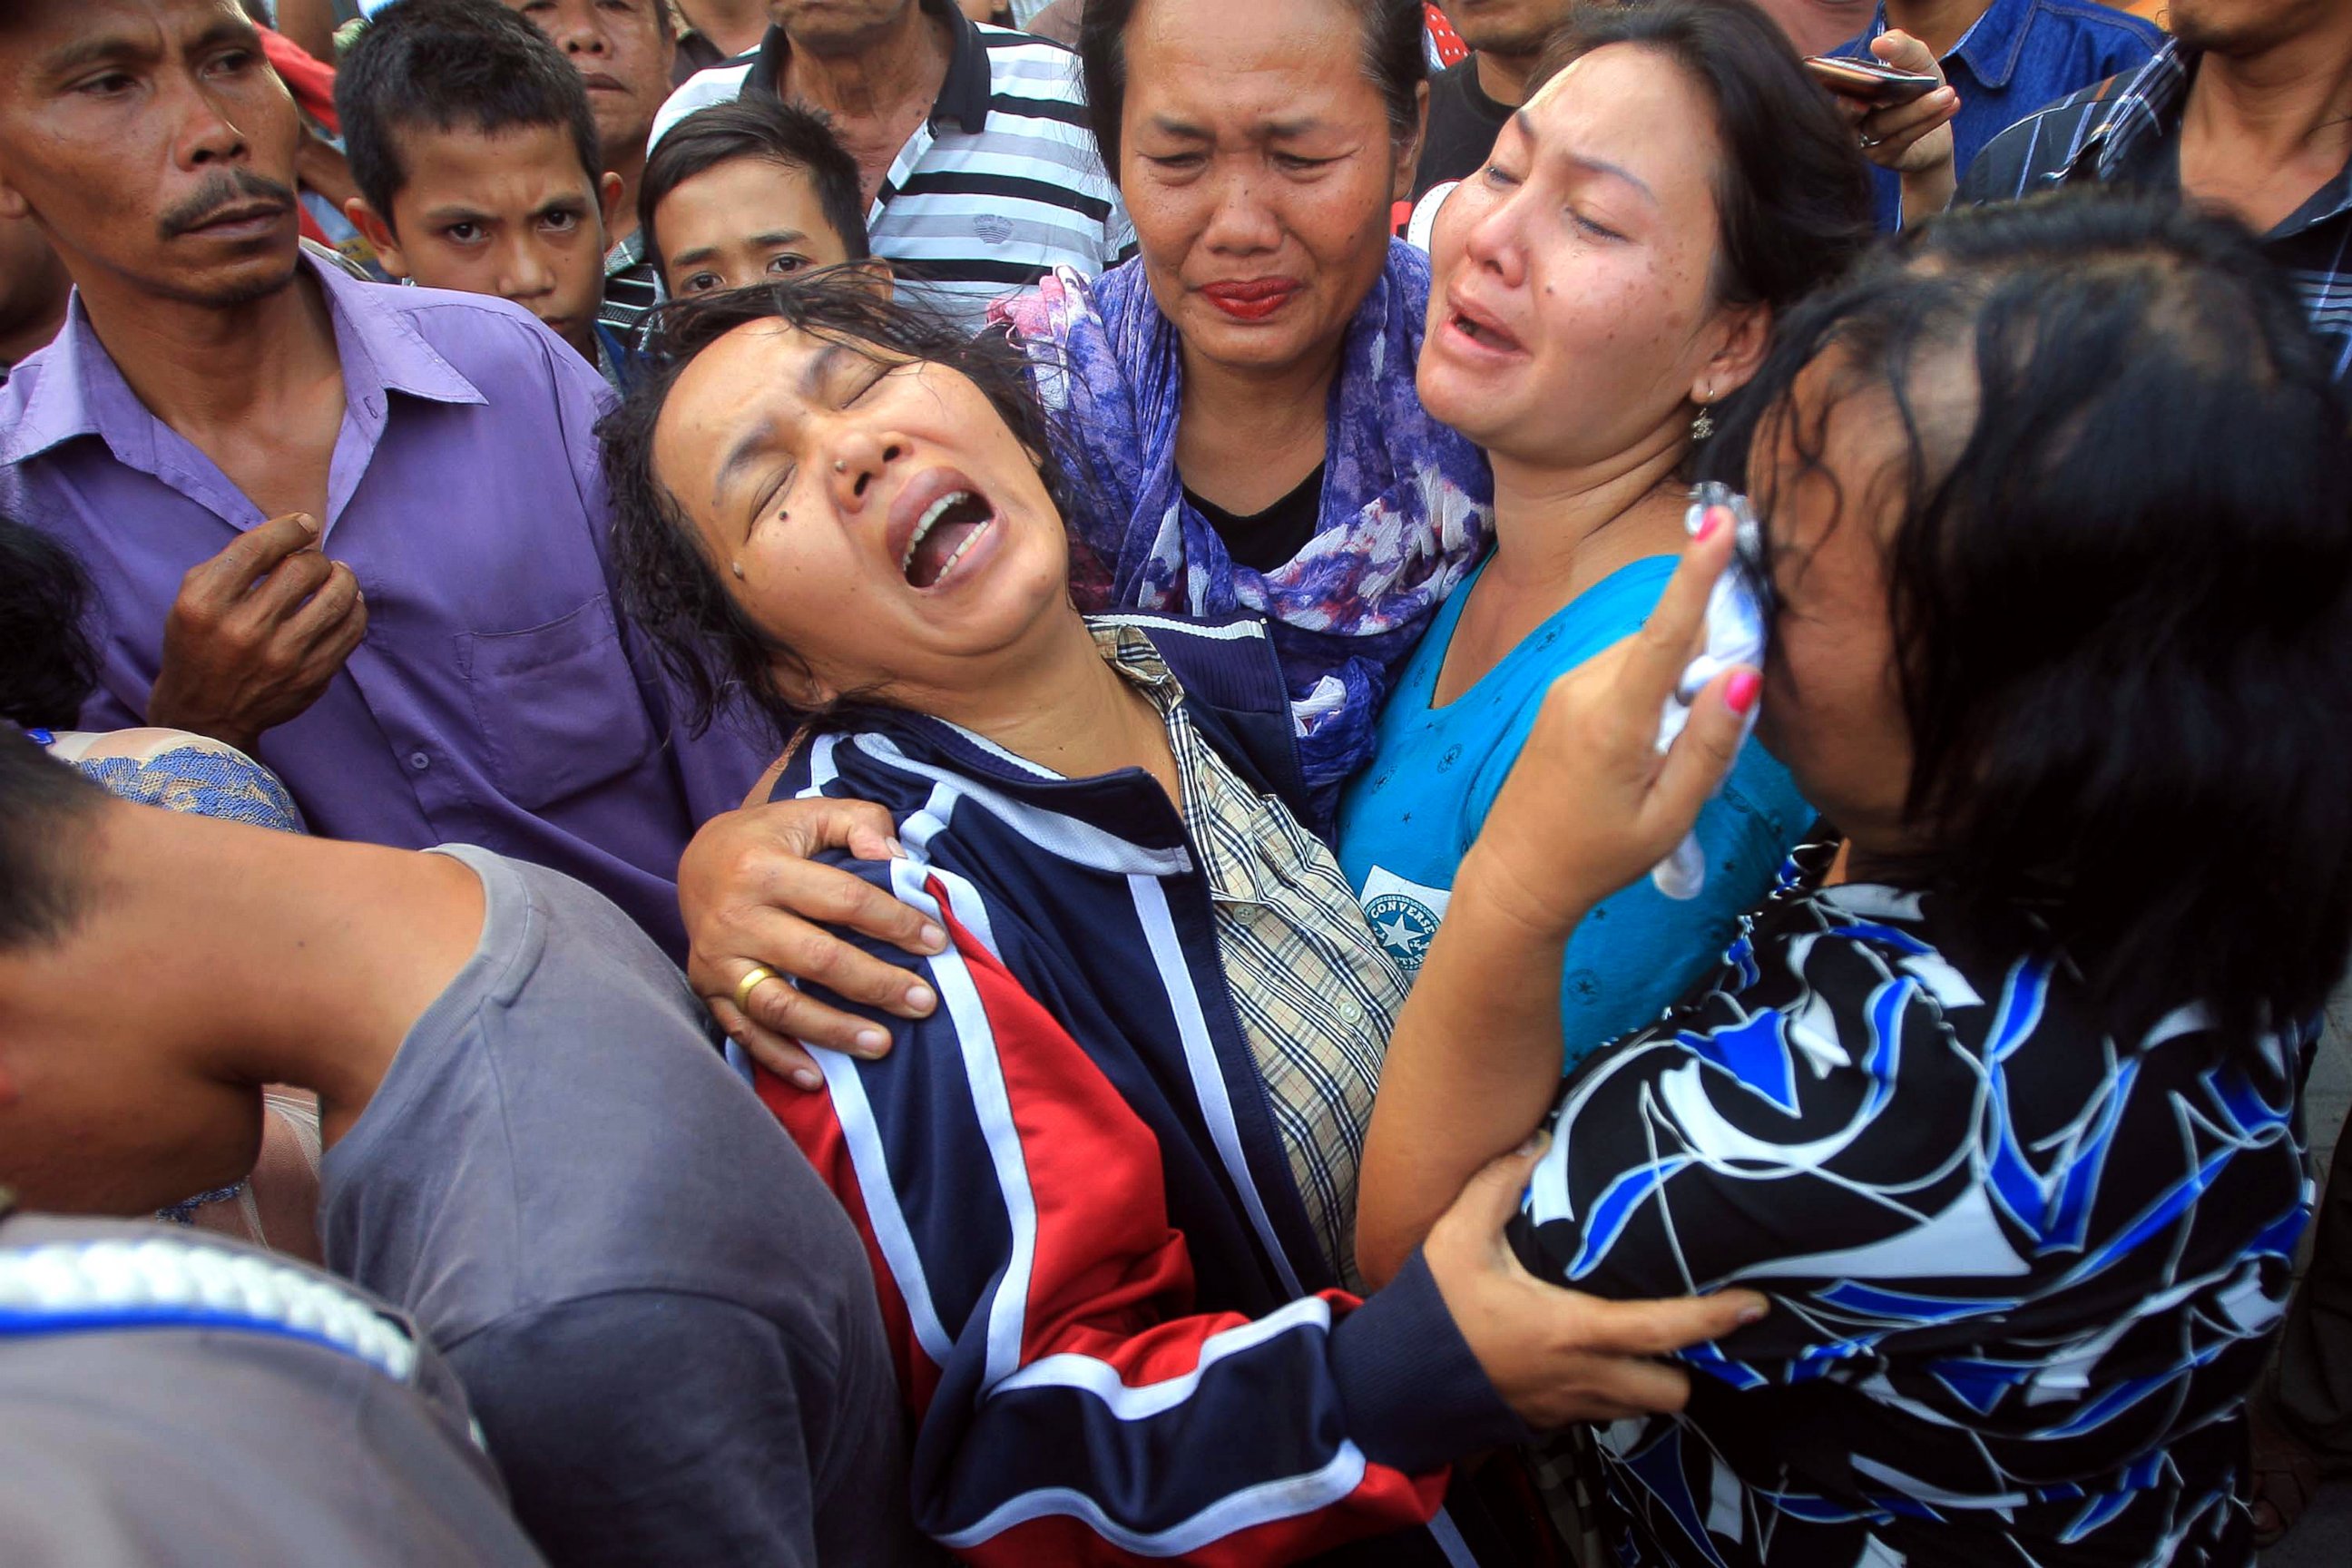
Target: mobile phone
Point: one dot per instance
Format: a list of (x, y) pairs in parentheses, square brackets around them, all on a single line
[(1868, 80)]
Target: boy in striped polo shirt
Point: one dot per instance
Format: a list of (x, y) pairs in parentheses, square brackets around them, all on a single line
[(973, 155)]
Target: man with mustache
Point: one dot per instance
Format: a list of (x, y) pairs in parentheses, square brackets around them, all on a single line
[(359, 532)]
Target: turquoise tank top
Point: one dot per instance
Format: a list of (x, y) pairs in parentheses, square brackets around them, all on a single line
[(1410, 815)]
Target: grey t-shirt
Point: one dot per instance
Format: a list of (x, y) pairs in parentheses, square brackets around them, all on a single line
[(665, 1324), (183, 1446)]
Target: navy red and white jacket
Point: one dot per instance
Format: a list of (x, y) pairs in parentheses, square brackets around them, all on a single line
[(1118, 1334)]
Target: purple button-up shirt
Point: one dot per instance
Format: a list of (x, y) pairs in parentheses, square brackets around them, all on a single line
[(495, 699)]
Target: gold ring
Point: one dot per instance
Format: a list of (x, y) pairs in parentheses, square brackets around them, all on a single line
[(758, 975)]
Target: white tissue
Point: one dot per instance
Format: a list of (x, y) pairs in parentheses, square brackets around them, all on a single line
[(1735, 636)]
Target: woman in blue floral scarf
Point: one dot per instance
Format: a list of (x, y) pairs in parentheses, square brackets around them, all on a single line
[(1238, 402)]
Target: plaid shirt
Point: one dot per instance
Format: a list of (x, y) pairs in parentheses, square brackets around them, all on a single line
[(630, 287), (2127, 132), (1317, 993)]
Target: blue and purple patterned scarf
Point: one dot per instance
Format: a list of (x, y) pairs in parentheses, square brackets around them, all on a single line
[(1406, 502)]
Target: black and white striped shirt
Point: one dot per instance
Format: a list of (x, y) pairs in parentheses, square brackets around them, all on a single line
[(1001, 185), (2126, 130)]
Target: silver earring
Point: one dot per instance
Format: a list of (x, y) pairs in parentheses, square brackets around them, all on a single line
[(736, 567), (839, 467), (1704, 425)]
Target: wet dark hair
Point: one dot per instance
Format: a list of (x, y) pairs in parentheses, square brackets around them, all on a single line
[(2122, 607), (48, 664), (44, 805), (448, 65), (767, 129), (1792, 194), (669, 586), (1392, 62)]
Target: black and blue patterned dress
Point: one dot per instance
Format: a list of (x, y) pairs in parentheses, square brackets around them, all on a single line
[(2022, 1273)]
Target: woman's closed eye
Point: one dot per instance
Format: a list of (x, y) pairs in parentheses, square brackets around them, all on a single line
[(863, 376), (1176, 162), (1592, 226), (773, 497)]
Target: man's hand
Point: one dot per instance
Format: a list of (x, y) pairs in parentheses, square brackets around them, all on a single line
[(1557, 1356), (256, 634), (322, 166), (753, 895)]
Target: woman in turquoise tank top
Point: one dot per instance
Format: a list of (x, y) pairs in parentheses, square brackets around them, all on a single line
[(1613, 272)]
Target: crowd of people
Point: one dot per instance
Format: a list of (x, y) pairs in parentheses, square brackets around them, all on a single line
[(1234, 781)]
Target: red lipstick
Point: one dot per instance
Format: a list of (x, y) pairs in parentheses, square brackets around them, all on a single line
[(1251, 299)]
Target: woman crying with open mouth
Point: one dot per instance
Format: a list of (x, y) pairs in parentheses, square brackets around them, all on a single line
[(1108, 1184)]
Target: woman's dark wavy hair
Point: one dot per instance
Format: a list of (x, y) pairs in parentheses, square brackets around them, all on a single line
[(1792, 197), (1392, 62), (2123, 605), (48, 664), (669, 586)]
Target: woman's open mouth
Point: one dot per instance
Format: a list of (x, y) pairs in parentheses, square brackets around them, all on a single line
[(1481, 334), (1476, 326), (1484, 333), (945, 534)]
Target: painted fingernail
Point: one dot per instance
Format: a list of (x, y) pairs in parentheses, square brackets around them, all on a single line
[(807, 1079), (933, 938), (1739, 691), (1712, 519), (872, 1040), (921, 998)]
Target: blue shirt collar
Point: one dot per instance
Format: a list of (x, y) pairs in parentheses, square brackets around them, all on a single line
[(1991, 47), (1994, 45)]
